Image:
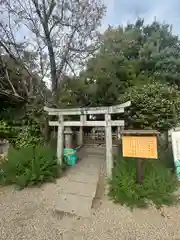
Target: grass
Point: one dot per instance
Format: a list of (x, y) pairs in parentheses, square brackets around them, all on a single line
[(30, 166), (158, 187)]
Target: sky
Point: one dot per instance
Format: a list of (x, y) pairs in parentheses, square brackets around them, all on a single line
[(122, 11)]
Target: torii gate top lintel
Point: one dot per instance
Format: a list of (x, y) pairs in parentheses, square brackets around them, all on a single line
[(88, 110), (83, 112)]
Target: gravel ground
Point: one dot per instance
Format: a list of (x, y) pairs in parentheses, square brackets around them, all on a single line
[(29, 215)]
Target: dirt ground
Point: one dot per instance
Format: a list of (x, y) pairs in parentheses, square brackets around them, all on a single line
[(29, 214)]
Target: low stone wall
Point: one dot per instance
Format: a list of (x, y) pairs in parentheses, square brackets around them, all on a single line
[(4, 147), (172, 130)]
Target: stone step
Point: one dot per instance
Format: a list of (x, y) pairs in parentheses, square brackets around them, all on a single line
[(79, 188), (74, 204), (96, 149), (86, 168), (94, 152), (83, 177), (88, 164), (93, 149), (87, 171)]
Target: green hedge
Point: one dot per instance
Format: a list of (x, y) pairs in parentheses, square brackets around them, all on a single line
[(30, 166), (158, 186)]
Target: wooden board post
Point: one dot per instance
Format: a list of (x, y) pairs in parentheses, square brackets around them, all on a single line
[(139, 144), (109, 156), (139, 170), (60, 140)]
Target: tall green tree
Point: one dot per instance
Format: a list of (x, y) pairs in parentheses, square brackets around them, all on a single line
[(138, 63), (132, 56)]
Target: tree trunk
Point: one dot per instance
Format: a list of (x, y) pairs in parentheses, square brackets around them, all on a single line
[(47, 131), (53, 69)]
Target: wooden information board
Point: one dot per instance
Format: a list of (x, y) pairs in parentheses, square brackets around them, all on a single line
[(140, 146)]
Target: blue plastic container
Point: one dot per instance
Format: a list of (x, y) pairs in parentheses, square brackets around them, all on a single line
[(70, 156)]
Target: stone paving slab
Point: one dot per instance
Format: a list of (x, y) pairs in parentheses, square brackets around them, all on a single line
[(97, 154), (90, 161), (89, 165), (89, 171), (82, 177), (96, 151), (85, 169), (93, 150), (74, 204), (80, 188)]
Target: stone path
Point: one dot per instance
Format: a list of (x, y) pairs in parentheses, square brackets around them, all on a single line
[(78, 188)]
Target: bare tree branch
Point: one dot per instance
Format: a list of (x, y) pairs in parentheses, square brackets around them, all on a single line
[(72, 69), (52, 6), (35, 2), (10, 83), (66, 30)]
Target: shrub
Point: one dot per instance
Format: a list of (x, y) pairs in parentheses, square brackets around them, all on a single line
[(28, 137), (153, 106), (158, 185), (166, 157), (5, 130), (30, 166)]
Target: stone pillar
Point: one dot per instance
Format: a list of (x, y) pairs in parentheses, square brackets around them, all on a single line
[(109, 155), (4, 147), (60, 140), (119, 132), (68, 137), (80, 136)]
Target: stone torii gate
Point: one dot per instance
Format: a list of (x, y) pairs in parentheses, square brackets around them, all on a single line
[(83, 112)]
